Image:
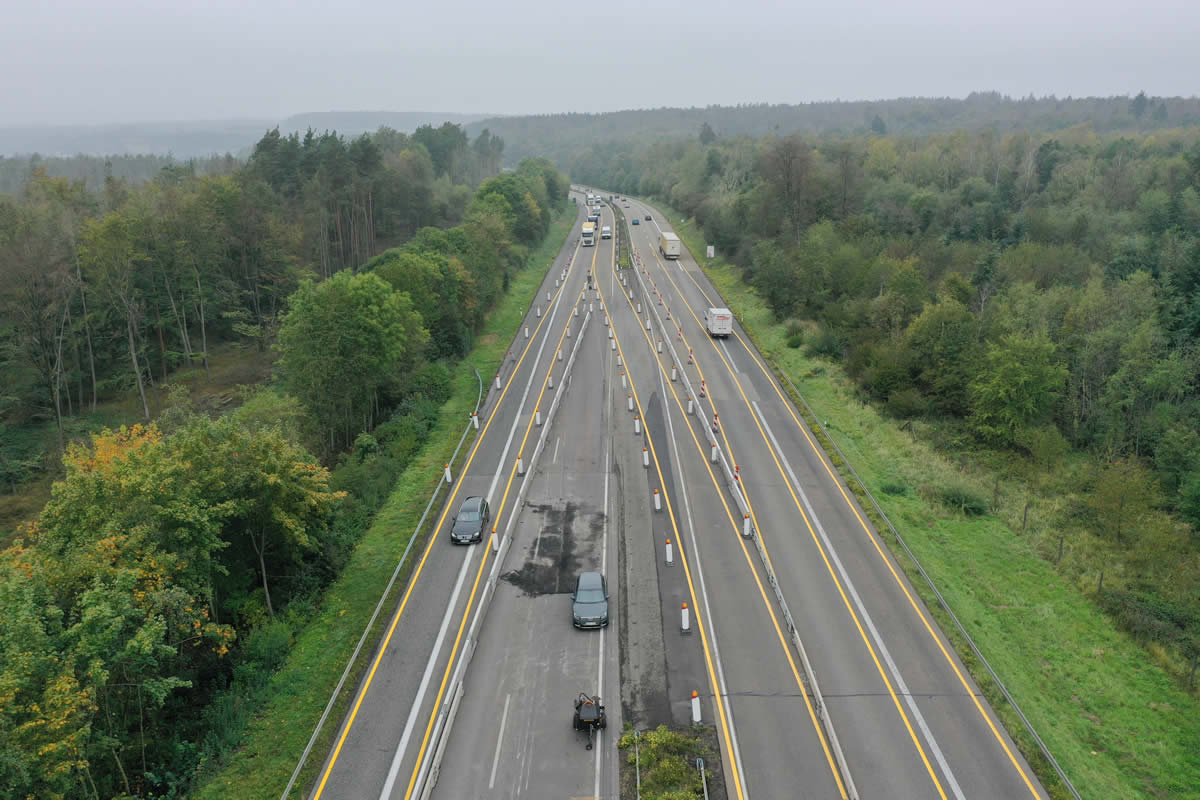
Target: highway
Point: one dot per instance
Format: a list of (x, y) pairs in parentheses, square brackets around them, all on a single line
[(470, 694), (911, 722)]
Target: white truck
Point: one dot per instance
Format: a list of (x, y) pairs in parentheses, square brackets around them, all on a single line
[(588, 236), (718, 322), (606, 232), (668, 245)]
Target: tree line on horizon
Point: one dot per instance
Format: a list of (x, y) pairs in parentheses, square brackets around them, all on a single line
[(560, 136)]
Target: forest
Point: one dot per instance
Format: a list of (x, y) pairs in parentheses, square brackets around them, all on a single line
[(162, 584), (1029, 301), (561, 136)]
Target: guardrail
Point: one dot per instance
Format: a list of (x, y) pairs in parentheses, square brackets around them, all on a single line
[(379, 606), (1062, 776), (734, 486), (427, 780)]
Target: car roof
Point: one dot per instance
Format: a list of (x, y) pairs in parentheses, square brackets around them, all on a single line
[(471, 504), (589, 580)]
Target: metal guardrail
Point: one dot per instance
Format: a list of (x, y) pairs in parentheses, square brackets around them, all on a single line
[(312, 740), (734, 486), (941, 599)]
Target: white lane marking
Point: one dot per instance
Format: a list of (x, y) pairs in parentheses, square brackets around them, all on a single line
[(866, 617), (722, 690), (525, 396), (557, 439), (499, 741), (603, 631), (394, 770), (436, 652), (729, 355)]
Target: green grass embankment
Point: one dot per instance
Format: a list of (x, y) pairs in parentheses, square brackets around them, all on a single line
[(298, 692), (1119, 726)]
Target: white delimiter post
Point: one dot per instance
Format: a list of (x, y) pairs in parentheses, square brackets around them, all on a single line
[(448, 479), (695, 708), (685, 621), (637, 426), (645, 458), (657, 501), (670, 554), (629, 401), (497, 380), (526, 331), (475, 419), (520, 466)]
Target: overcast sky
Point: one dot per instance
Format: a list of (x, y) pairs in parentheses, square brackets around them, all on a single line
[(72, 61)]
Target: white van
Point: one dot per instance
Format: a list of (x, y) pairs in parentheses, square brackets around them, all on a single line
[(718, 321), (606, 232)]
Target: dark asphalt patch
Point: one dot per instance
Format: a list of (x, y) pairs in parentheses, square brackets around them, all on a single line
[(552, 562)]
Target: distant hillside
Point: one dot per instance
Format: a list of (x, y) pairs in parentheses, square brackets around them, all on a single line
[(197, 139), (182, 139), (561, 136), (352, 123)]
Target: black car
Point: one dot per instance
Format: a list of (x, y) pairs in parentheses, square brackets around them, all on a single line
[(589, 608), (471, 521), (647, 218)]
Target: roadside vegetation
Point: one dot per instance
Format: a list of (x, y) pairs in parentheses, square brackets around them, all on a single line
[(177, 560), (661, 764), (297, 693)]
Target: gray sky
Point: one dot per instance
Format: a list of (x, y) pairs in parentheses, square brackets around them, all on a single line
[(75, 61)]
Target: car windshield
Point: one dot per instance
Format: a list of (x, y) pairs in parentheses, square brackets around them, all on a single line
[(469, 516), (589, 596)]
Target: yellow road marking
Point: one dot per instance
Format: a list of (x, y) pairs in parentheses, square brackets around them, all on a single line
[(712, 675), (736, 526), (824, 556), (874, 541), (428, 548), (412, 781), (911, 600)]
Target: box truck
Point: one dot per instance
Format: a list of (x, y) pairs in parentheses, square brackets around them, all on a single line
[(668, 245), (718, 322), (589, 234)]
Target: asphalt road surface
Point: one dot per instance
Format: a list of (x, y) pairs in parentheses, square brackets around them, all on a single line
[(470, 695)]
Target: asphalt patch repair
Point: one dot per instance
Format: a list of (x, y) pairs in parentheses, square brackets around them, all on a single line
[(552, 563)]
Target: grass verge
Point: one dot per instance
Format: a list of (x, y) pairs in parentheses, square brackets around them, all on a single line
[(298, 692), (1117, 724)]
